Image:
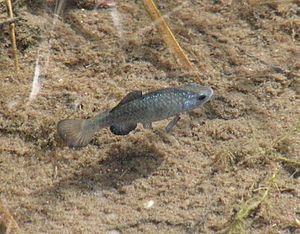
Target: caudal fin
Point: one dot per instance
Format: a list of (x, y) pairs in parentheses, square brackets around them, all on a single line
[(76, 133)]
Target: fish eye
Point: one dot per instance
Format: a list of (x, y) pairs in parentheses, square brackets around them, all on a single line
[(201, 97)]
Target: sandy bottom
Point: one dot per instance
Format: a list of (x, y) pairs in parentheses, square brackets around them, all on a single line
[(222, 168)]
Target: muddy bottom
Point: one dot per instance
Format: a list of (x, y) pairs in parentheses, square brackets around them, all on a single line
[(226, 167)]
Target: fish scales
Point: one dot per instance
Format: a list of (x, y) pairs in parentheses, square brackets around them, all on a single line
[(151, 107), (136, 108)]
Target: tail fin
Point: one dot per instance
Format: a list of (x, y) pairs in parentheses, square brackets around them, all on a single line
[(76, 133)]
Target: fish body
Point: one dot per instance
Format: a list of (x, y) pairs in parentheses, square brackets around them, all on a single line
[(136, 108)]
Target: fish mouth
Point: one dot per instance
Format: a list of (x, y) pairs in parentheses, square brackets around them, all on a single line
[(210, 93)]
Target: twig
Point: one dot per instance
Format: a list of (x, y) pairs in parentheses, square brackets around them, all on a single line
[(12, 30), (279, 158), (274, 2), (167, 34)]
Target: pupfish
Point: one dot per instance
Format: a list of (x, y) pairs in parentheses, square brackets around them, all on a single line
[(135, 108)]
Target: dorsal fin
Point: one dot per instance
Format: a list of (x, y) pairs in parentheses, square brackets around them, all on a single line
[(136, 94)]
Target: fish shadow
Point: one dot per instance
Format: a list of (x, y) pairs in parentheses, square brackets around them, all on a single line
[(121, 167)]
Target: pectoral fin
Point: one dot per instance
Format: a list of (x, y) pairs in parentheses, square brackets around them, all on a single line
[(122, 129), (172, 123)]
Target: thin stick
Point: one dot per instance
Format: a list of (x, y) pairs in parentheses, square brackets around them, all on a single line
[(279, 158), (12, 30), (273, 2), (167, 34)]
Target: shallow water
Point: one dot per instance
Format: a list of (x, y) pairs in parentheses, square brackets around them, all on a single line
[(196, 177)]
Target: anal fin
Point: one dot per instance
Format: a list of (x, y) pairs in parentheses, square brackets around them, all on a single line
[(122, 129)]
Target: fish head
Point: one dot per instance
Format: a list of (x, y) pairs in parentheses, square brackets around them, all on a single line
[(196, 96)]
